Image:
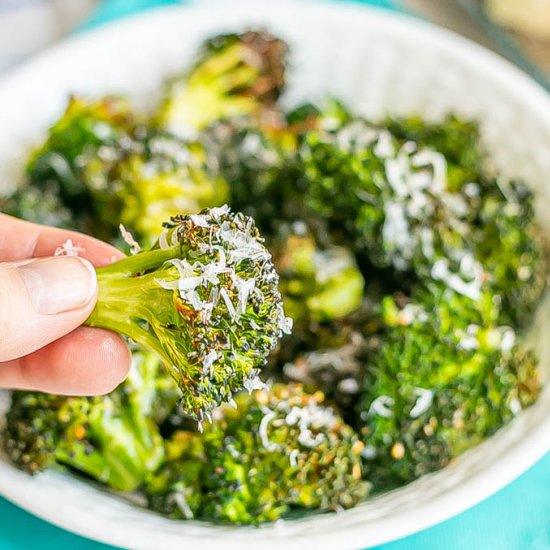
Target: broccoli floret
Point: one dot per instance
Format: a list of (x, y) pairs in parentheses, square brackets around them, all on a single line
[(35, 424), (112, 439), (277, 450), (159, 176), (318, 283), (511, 248), (234, 74), (439, 383), (90, 137), (411, 208), (391, 198), (205, 298), (258, 160), (99, 165), (457, 139)]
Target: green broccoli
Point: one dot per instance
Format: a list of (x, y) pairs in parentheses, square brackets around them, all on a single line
[(273, 452), (234, 74), (391, 198), (112, 439), (205, 299), (258, 160), (511, 248), (442, 379), (317, 283), (411, 208), (455, 138), (90, 137), (159, 176)]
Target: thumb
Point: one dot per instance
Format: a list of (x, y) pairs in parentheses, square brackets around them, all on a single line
[(41, 300)]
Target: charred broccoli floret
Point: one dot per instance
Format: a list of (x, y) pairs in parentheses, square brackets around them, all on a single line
[(99, 167), (205, 298), (439, 383), (35, 424), (112, 439), (390, 197), (455, 138), (258, 160), (234, 74), (439, 216), (159, 176), (277, 450), (90, 137)]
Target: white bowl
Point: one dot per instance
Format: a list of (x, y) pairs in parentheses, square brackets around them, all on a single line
[(379, 63)]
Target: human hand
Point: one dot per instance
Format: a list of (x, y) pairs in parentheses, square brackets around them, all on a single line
[(43, 301)]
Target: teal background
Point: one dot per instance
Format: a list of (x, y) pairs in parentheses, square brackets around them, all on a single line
[(516, 518)]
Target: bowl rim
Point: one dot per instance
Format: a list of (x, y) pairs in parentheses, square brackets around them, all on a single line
[(536, 441)]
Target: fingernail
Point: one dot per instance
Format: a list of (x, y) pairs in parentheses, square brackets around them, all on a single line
[(60, 284)]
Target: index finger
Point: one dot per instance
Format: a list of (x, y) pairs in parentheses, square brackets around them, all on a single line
[(20, 240)]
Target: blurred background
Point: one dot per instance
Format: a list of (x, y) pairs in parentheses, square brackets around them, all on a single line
[(517, 29)]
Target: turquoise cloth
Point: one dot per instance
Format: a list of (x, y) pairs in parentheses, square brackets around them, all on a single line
[(516, 518)]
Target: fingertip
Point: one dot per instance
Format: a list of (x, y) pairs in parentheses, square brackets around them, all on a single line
[(88, 361)]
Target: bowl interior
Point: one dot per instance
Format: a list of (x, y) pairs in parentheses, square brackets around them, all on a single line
[(379, 64)]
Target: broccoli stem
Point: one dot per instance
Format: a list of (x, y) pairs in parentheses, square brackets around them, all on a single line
[(125, 297)]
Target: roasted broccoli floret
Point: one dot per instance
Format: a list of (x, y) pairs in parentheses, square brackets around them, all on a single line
[(437, 216), (511, 248), (112, 439), (277, 450), (89, 138), (391, 198), (439, 383), (205, 298), (318, 283), (258, 160), (159, 176), (234, 74), (457, 139), (101, 166)]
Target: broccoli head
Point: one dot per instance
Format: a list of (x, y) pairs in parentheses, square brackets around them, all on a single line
[(457, 139), (112, 439), (275, 451), (438, 383), (234, 74), (258, 160), (428, 208), (391, 198), (511, 248), (318, 283), (158, 177), (205, 298), (91, 136), (36, 423)]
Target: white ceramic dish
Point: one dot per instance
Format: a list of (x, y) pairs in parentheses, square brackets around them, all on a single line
[(379, 63)]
